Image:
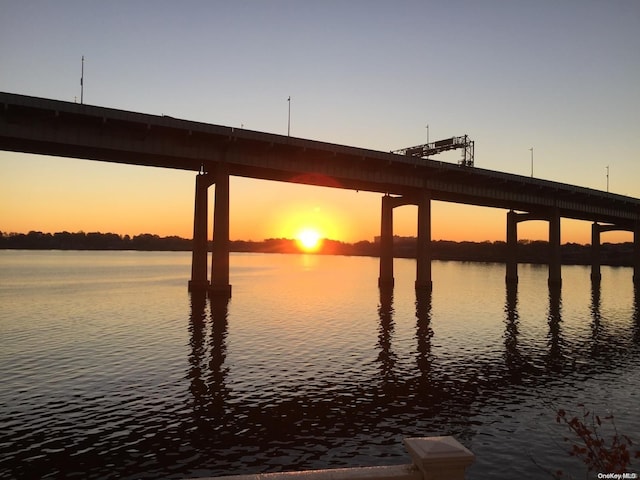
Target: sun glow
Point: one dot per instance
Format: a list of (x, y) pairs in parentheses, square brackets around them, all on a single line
[(309, 239)]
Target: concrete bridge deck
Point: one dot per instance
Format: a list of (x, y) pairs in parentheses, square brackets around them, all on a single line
[(51, 127)]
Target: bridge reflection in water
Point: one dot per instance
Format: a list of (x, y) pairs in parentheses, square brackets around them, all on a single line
[(301, 430)]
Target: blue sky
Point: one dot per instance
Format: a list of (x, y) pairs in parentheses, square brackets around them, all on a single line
[(562, 77)]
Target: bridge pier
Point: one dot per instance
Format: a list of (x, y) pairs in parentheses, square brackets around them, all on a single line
[(423, 253), (423, 257), (385, 279), (596, 274), (636, 254), (219, 285), (199, 281), (555, 260), (596, 230), (220, 258), (511, 276)]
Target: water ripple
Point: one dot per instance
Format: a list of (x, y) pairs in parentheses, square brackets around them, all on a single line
[(111, 370)]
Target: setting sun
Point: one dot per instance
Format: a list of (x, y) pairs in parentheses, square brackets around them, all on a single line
[(309, 240)]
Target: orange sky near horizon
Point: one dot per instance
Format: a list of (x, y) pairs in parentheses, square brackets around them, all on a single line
[(130, 200)]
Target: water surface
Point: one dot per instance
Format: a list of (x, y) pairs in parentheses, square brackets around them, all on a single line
[(110, 369)]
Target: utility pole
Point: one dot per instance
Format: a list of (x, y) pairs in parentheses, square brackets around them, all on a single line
[(531, 149), (289, 119), (607, 178), (82, 82), (427, 133)]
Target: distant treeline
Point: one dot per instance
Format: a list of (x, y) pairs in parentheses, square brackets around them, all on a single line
[(528, 251), (91, 241)]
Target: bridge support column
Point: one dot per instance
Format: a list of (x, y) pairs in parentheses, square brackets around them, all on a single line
[(512, 248), (199, 280), (220, 259), (423, 254), (596, 274), (636, 254), (386, 243), (555, 260)]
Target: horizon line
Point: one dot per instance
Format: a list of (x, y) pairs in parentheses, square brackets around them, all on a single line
[(122, 236)]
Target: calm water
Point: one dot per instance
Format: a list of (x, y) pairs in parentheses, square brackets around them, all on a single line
[(111, 370)]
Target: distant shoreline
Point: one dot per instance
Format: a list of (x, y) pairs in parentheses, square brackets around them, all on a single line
[(614, 254)]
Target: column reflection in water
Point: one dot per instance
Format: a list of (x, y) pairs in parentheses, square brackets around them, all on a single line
[(197, 335), (512, 357), (555, 355), (596, 320), (216, 384), (424, 334), (636, 314), (386, 357), (208, 379)]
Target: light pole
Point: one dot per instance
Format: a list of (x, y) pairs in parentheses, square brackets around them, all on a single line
[(427, 133), (607, 178), (82, 82), (289, 118), (531, 149)]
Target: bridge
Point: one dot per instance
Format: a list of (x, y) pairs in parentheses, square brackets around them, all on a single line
[(214, 152)]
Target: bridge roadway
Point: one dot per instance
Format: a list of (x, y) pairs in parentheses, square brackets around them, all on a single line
[(57, 128)]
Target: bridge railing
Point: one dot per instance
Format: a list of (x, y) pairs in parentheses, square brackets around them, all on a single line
[(434, 458)]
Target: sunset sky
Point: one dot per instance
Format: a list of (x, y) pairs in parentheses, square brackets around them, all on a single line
[(562, 77)]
